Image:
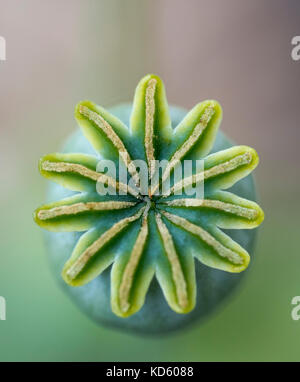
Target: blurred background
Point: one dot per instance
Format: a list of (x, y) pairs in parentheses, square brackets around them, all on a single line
[(60, 52)]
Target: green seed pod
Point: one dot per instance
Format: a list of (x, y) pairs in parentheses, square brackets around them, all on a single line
[(149, 260)]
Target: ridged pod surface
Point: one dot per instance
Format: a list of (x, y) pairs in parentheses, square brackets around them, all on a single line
[(150, 263)]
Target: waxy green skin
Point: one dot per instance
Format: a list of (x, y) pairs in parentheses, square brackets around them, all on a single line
[(206, 290)]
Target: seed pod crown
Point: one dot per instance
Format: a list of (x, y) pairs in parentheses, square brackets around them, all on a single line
[(154, 233)]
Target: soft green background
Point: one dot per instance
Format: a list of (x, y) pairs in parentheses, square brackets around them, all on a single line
[(238, 52)]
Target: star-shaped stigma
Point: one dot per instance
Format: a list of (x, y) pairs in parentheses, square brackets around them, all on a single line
[(150, 235)]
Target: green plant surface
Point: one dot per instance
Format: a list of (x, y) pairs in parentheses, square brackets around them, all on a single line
[(134, 249)]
